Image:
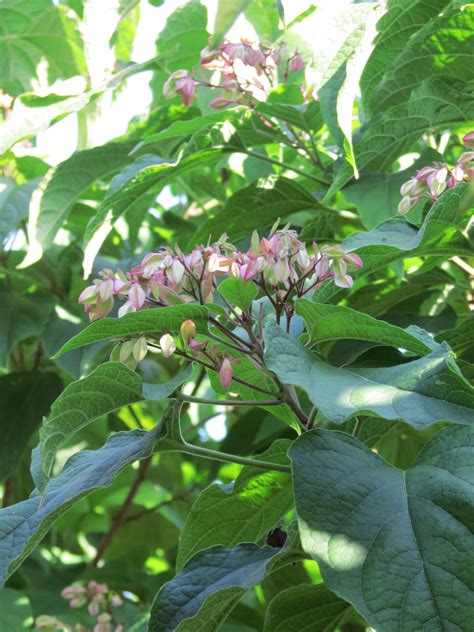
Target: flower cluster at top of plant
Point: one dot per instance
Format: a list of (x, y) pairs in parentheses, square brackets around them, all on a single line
[(100, 603), (244, 71), (280, 267), (431, 182)]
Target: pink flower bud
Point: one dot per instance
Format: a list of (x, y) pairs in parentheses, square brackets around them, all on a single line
[(296, 63), (220, 102), (344, 281), (353, 260), (188, 330), (116, 601), (225, 373), (89, 295), (93, 608), (168, 345), (136, 296), (194, 344), (405, 205), (468, 140), (186, 87)]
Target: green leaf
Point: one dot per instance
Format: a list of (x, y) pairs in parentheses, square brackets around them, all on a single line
[(340, 85), (63, 186), (15, 611), (21, 316), (149, 321), (14, 201), (299, 606), (333, 322), (26, 397), (273, 197), (377, 195), (395, 28), (243, 513), (435, 104), (420, 392), (147, 180), (210, 585), (441, 49), (238, 292), (33, 32), (23, 526), (306, 116), (396, 544), (227, 12), (460, 339), (110, 387)]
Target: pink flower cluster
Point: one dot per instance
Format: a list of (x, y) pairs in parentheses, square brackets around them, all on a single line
[(431, 182), (100, 601), (280, 265), (232, 61)]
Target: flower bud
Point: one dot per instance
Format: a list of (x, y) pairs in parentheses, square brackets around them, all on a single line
[(468, 140), (225, 373), (168, 345), (405, 205), (296, 63), (220, 102), (188, 330), (140, 349)]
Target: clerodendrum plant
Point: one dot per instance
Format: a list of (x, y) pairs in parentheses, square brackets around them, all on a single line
[(279, 363)]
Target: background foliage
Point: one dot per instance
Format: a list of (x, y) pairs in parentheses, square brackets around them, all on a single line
[(387, 88)]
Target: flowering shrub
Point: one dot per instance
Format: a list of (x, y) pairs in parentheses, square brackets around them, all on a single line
[(237, 385)]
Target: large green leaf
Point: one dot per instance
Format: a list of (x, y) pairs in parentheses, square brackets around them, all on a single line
[(273, 197), (334, 322), (340, 85), (21, 316), (441, 49), (149, 321), (435, 104), (33, 32), (15, 611), (395, 28), (305, 608), (396, 544), (63, 186), (210, 585), (420, 392), (110, 387), (26, 397), (460, 339), (305, 116), (243, 513), (23, 526)]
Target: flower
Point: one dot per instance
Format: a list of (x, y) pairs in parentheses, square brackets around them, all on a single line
[(168, 345), (296, 63), (180, 82), (468, 139), (225, 373)]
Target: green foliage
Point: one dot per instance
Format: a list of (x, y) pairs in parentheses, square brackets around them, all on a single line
[(413, 542), (268, 422)]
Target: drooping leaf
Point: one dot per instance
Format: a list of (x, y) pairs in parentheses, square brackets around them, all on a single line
[(110, 387), (227, 12), (210, 585), (63, 186), (26, 397), (397, 545), (23, 526), (299, 606), (149, 321), (340, 85), (419, 392), (334, 322), (243, 513)]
